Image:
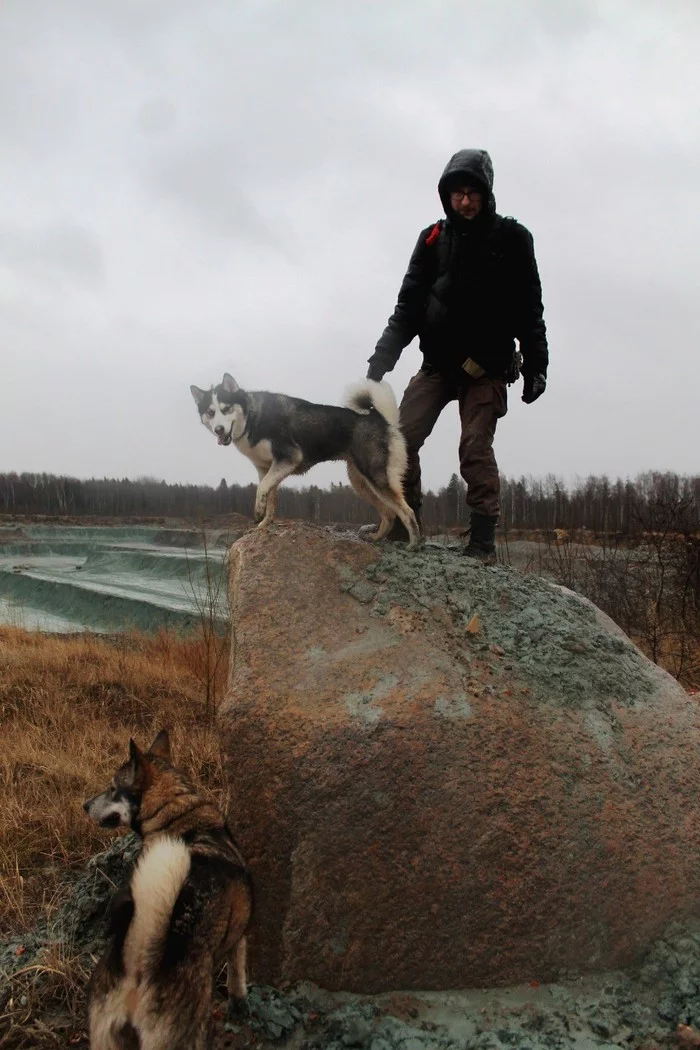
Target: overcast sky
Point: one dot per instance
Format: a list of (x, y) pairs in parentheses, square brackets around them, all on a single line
[(193, 186)]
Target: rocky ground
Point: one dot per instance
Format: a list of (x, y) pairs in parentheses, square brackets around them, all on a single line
[(656, 1005)]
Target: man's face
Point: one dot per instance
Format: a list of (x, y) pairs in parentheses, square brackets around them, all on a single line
[(467, 201)]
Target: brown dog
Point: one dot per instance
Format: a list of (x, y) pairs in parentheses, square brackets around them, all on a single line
[(183, 912)]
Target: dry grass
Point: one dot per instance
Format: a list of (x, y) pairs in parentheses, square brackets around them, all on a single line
[(68, 706), (46, 1008), (649, 584)]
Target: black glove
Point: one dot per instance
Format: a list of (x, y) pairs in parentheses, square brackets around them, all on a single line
[(375, 371), (533, 387)]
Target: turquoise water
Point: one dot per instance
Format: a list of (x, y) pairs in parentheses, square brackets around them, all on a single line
[(69, 578)]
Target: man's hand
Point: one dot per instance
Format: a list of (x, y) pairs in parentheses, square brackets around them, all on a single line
[(533, 387), (375, 372)]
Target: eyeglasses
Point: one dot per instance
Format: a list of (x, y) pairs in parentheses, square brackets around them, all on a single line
[(472, 195)]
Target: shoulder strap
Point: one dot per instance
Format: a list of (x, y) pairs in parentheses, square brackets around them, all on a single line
[(435, 232), (441, 246)]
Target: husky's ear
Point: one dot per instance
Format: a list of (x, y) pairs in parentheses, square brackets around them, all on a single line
[(229, 384), (160, 748), (136, 759), (197, 394)]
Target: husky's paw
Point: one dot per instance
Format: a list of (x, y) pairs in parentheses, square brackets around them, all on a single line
[(237, 1009), (260, 509), (369, 533)]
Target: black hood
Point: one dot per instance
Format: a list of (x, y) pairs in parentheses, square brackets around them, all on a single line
[(468, 165)]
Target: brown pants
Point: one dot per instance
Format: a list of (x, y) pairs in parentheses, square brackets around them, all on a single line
[(482, 402)]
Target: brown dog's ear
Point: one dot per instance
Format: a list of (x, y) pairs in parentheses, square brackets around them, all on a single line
[(135, 755), (160, 748), (136, 762)]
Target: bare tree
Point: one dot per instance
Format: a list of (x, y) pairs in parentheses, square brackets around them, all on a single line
[(208, 589)]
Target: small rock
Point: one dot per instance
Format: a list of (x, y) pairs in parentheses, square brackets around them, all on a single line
[(667, 1010), (575, 647), (357, 1032), (686, 986), (362, 591)]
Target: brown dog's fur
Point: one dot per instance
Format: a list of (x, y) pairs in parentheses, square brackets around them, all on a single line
[(183, 912)]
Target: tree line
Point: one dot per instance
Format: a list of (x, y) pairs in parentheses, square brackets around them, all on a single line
[(622, 506)]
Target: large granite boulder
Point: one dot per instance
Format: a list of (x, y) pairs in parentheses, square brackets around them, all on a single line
[(445, 775)]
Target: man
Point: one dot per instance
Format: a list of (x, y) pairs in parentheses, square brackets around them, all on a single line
[(472, 288)]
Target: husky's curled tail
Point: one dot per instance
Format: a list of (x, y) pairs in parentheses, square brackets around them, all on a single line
[(370, 394), (155, 886), (128, 1015), (382, 483)]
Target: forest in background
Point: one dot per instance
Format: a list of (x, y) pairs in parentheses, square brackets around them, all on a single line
[(604, 506)]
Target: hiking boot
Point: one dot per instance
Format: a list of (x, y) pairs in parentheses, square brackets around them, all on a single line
[(482, 538), (398, 532)]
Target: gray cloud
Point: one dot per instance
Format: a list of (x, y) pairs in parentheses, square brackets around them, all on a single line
[(59, 253), (188, 190)]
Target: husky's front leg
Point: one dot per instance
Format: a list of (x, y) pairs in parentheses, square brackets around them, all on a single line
[(270, 503), (270, 509), (266, 497), (268, 514)]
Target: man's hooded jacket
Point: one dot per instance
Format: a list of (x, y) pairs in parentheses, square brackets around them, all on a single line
[(471, 289)]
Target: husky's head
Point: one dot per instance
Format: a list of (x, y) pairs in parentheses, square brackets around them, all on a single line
[(120, 804), (222, 409)]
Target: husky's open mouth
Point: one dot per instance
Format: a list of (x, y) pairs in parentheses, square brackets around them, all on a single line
[(224, 439)]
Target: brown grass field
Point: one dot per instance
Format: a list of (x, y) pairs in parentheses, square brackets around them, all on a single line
[(68, 705)]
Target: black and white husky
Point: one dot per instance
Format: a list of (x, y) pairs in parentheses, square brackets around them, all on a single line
[(284, 435)]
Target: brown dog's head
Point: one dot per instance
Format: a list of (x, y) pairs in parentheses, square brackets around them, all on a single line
[(120, 804)]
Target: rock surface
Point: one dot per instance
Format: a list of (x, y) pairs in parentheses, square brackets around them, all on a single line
[(430, 807), (637, 1010)]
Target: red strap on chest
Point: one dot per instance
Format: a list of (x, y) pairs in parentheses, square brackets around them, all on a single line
[(434, 234)]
